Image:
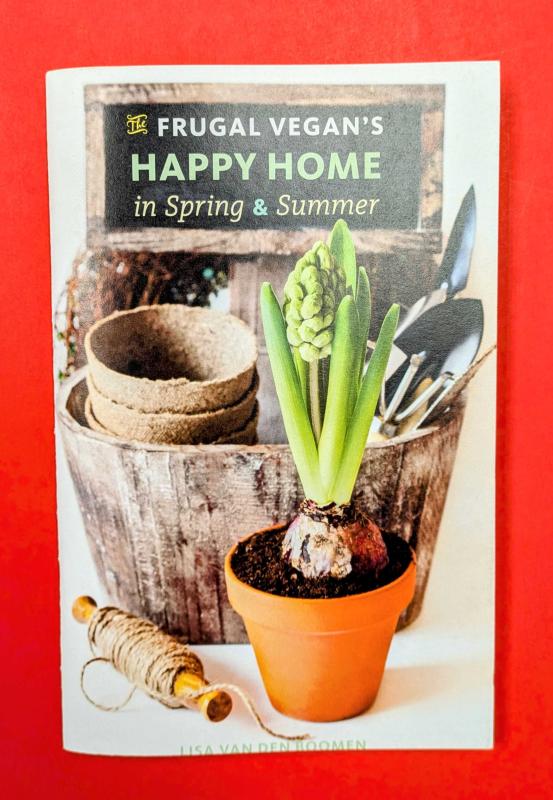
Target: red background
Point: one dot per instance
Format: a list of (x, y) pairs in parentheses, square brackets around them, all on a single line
[(39, 36)]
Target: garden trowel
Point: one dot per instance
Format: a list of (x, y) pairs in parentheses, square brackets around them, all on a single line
[(454, 270)]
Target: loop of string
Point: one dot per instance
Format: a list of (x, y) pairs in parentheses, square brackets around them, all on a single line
[(151, 660)]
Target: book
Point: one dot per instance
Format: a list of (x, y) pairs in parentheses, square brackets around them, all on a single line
[(274, 299)]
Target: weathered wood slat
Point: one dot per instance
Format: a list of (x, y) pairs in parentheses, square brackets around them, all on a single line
[(251, 242), (159, 519), (429, 96), (427, 505)]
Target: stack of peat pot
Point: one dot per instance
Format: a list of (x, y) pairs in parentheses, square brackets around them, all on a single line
[(170, 374)]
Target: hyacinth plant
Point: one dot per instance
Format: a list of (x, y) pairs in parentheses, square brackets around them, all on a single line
[(317, 346)]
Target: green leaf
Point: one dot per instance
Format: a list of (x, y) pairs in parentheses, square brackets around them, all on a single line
[(294, 413), (315, 399), (342, 248), (343, 362), (358, 430), (363, 303), (301, 369)]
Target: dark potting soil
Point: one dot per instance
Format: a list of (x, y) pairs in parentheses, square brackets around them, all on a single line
[(259, 563)]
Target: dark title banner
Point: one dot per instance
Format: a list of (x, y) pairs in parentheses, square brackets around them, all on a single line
[(252, 166)]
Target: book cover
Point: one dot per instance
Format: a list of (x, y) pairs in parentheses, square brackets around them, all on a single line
[(274, 298)]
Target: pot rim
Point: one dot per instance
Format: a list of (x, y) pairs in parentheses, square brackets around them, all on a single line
[(312, 601), (170, 382), (68, 421), (170, 416)]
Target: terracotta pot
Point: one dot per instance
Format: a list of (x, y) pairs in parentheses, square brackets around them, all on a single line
[(321, 660)]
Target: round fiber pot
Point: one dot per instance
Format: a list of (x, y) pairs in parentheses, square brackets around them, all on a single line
[(171, 428), (245, 435), (321, 660), (171, 358)]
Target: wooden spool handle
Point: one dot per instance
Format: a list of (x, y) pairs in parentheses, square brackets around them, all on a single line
[(83, 608), (215, 706)]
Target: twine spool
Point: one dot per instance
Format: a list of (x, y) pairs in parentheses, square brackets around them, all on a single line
[(156, 663)]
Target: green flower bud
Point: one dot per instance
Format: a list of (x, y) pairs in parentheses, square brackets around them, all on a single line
[(309, 352), (325, 351), (293, 307), (293, 336), (313, 325), (322, 339), (311, 305), (309, 276), (294, 292), (306, 333), (312, 294)]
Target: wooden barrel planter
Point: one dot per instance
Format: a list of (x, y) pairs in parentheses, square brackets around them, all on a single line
[(159, 519)]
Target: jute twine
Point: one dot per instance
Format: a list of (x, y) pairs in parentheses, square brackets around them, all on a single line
[(152, 660)]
